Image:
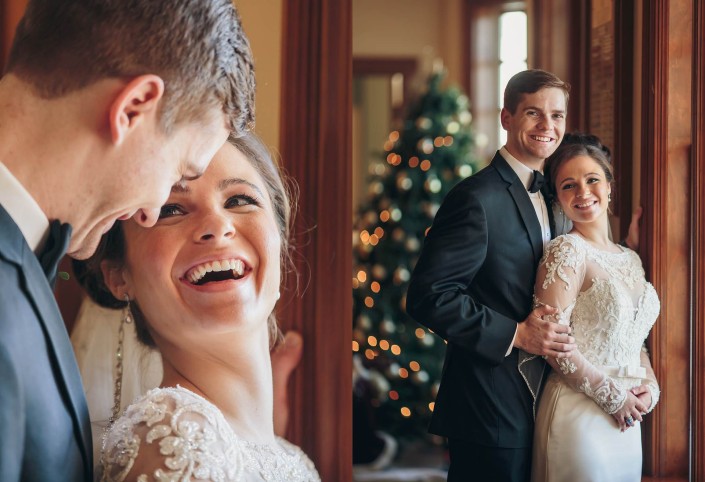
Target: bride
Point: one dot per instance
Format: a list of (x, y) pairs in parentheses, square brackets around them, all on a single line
[(587, 424), (201, 286)]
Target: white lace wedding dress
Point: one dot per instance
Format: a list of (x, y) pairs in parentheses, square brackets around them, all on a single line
[(611, 308), (181, 436)]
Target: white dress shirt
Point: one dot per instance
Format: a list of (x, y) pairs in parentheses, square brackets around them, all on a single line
[(526, 175), (23, 210)]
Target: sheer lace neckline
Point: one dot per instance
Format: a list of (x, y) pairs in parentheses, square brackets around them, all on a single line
[(585, 242), (194, 442), (272, 447)]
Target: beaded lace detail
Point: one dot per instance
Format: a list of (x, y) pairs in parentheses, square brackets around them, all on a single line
[(610, 308), (183, 437)]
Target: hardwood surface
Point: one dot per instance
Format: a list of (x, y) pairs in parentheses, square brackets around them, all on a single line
[(316, 150)]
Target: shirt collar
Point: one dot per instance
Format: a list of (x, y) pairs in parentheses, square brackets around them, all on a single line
[(525, 174), (23, 210)]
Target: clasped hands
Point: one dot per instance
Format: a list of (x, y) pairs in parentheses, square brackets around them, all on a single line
[(635, 406)]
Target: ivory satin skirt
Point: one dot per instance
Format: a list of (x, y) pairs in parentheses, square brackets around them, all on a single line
[(576, 441)]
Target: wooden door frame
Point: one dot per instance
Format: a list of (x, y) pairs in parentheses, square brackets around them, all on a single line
[(666, 228), (698, 250), (316, 147)]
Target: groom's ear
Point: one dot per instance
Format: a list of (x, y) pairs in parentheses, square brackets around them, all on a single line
[(115, 280), (136, 103)]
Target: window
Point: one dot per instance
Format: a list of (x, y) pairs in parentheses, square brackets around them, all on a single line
[(498, 49), (513, 49)]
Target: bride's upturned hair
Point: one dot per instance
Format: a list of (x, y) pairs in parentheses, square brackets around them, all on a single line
[(282, 194)]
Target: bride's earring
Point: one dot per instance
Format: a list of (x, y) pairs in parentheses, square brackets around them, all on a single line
[(117, 393), (609, 197)]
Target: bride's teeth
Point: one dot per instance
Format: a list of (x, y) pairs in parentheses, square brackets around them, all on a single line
[(237, 266)]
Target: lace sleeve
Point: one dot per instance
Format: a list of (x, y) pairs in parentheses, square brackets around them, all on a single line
[(559, 279), (650, 379), (165, 436)]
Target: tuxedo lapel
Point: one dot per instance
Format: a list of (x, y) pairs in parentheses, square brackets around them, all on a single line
[(60, 348), (521, 199), (16, 250)]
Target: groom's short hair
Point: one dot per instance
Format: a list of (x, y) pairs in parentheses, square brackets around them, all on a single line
[(529, 82), (197, 47)]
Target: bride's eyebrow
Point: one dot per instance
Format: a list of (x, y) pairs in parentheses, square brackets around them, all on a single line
[(222, 185), (180, 187)]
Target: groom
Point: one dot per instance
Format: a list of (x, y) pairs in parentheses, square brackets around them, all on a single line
[(104, 106), (473, 285)]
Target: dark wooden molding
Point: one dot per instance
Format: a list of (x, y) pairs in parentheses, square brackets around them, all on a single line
[(698, 248), (3, 35), (666, 225), (654, 98), (316, 151), (388, 66), (622, 150), (654, 148), (383, 65)]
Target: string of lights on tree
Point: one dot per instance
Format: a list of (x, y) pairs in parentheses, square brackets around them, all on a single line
[(421, 162)]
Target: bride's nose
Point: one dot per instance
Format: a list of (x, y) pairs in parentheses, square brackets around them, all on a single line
[(213, 227)]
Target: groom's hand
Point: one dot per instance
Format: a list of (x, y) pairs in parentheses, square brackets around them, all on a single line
[(545, 338)]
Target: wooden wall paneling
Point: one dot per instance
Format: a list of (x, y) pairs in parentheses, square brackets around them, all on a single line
[(10, 13), (622, 150), (601, 79), (698, 249), (665, 234), (316, 151), (3, 35)]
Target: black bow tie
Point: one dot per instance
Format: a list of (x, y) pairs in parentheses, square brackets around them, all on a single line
[(56, 245), (537, 182)]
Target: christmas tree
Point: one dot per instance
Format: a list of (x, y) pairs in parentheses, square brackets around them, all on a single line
[(422, 161)]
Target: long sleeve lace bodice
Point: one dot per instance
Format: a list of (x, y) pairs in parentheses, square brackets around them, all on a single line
[(610, 307), (172, 434)]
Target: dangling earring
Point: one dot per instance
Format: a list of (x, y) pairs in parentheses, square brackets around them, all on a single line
[(609, 197), (117, 393)]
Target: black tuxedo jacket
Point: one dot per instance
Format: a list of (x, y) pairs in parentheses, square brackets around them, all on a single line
[(472, 284), (44, 425)]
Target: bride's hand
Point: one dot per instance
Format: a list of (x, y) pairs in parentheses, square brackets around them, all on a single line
[(633, 407), (644, 394)]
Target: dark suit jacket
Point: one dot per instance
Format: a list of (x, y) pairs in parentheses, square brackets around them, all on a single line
[(45, 430), (473, 282)]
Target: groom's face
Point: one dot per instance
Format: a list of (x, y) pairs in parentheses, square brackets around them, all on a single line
[(536, 128)]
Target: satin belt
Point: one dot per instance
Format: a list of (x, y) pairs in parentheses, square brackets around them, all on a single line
[(625, 371)]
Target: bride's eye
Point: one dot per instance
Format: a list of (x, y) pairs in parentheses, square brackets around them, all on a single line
[(169, 210), (242, 200), (565, 187)]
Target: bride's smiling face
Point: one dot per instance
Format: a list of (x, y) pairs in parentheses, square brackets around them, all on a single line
[(212, 261), (583, 189)]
